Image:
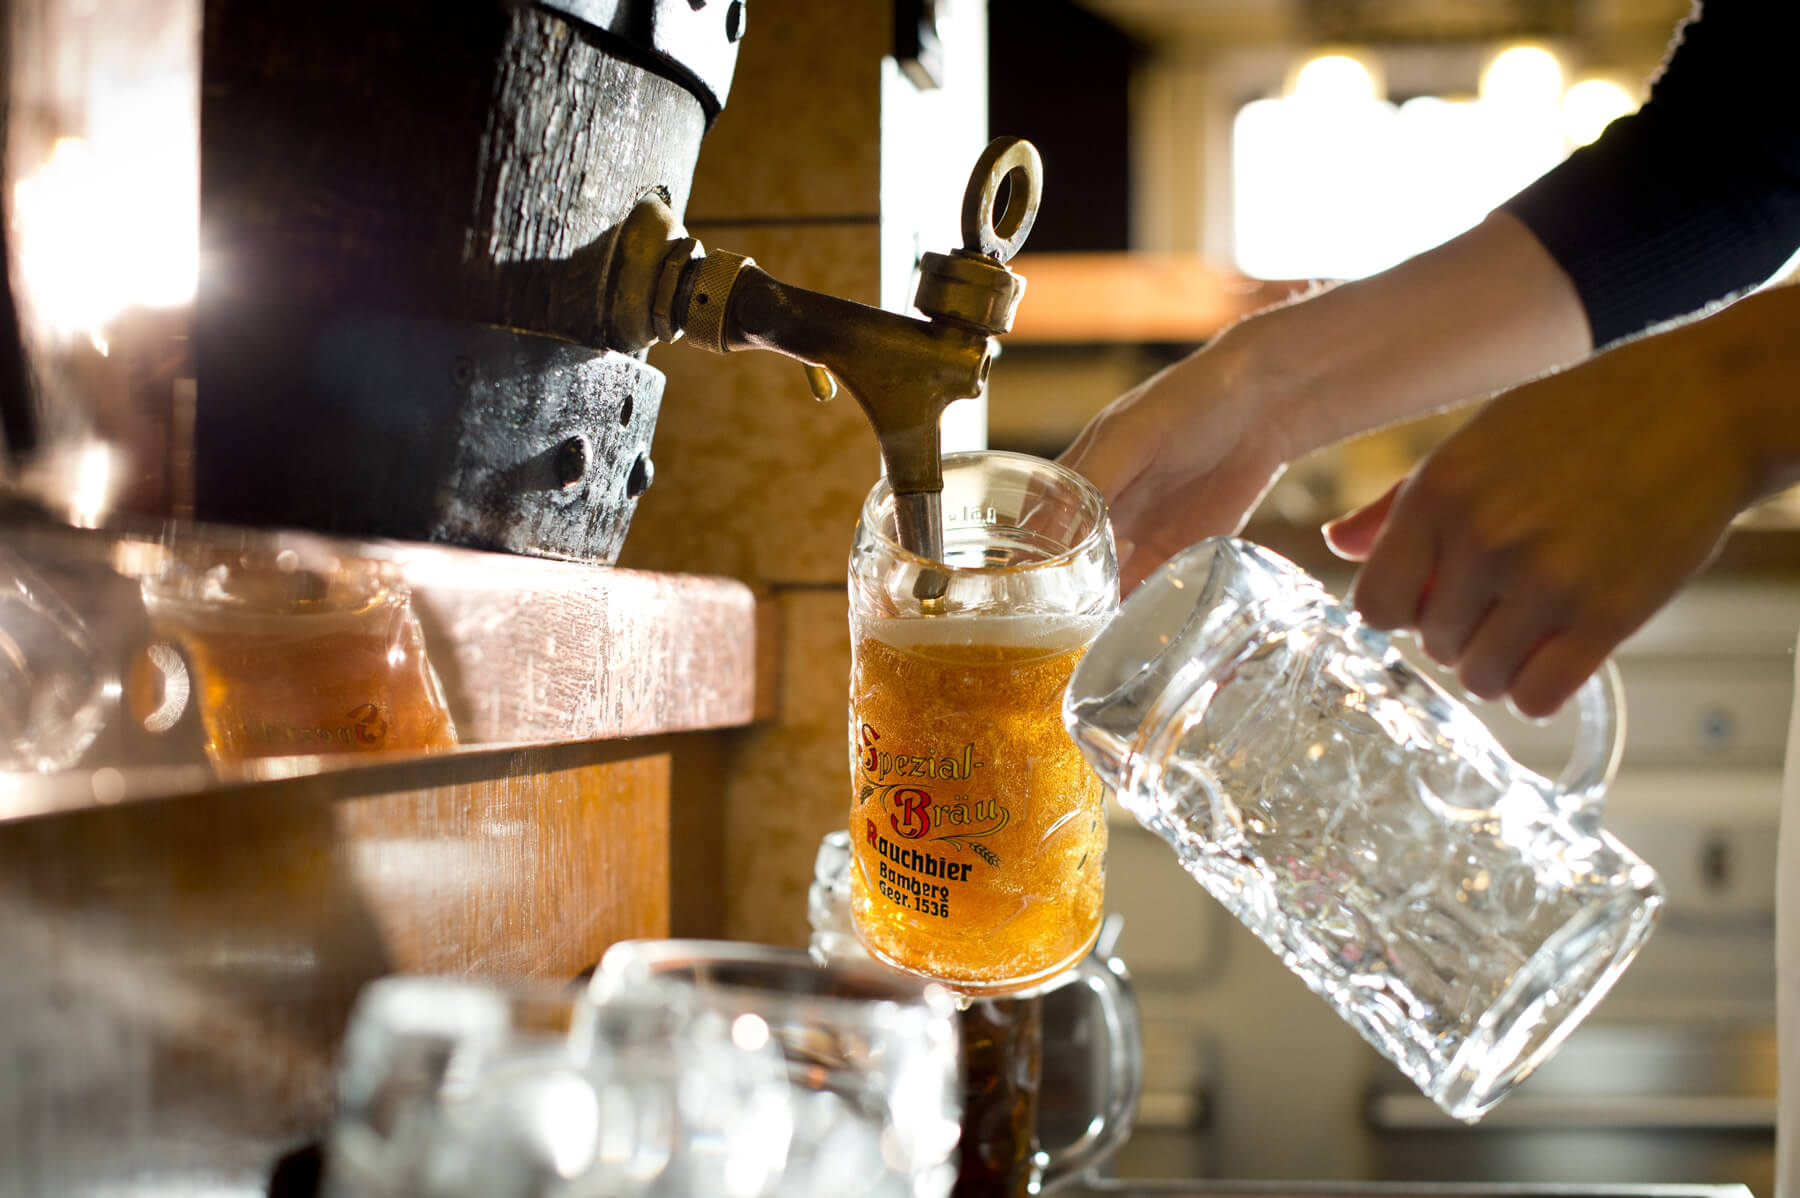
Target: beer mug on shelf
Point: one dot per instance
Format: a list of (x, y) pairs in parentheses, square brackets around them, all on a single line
[(978, 831), (870, 1057), (1463, 913), (1006, 1074), (299, 651)]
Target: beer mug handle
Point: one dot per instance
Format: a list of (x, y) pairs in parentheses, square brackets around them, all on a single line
[(1580, 790), (1108, 982), (1599, 744)]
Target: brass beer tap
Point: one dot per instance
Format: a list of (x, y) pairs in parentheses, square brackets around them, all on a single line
[(659, 284)]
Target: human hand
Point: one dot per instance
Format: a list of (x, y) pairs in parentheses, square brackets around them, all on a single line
[(1190, 453), (1535, 539), (1179, 458)]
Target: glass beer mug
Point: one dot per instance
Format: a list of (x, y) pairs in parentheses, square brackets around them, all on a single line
[(1460, 911), (454, 1088), (979, 832), (870, 1060), (299, 650)]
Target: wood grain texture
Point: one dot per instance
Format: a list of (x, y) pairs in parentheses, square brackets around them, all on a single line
[(530, 873), (408, 157), (528, 651), (1085, 298), (543, 651), (179, 973), (575, 137)]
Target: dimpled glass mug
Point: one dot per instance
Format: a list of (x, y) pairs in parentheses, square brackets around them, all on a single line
[(450, 1088), (979, 832), (688, 1069), (1460, 911), (870, 1058)]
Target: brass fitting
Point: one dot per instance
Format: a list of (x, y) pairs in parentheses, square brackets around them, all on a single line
[(660, 283), (709, 287), (648, 254), (970, 289), (681, 254), (972, 285)]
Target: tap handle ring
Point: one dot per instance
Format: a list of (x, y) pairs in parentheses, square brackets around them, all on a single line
[(1013, 162)]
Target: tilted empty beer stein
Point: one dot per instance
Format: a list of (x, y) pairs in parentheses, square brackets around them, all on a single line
[(1460, 911), (979, 833)]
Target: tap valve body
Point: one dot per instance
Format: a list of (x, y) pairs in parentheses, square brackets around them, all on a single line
[(659, 284)]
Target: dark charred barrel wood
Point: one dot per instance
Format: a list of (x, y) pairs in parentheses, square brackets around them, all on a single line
[(423, 159), (431, 431), (451, 164), (603, 143)]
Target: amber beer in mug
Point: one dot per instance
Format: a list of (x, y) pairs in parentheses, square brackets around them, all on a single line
[(298, 651), (978, 830)]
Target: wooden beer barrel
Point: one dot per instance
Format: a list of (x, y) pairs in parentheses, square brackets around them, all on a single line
[(401, 205), (424, 159), (398, 200)]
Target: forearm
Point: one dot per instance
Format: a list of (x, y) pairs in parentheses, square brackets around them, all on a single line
[(1486, 310), (1739, 369), (1760, 352)]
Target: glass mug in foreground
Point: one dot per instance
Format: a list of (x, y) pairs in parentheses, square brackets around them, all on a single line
[(870, 1058), (460, 1089), (978, 831), (1460, 911)]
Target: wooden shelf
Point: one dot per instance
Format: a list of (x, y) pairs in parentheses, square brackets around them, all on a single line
[(185, 936), (1089, 298), (528, 651)]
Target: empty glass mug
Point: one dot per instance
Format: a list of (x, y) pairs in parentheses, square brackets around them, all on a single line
[(55, 685), (1090, 1012), (455, 1089), (870, 1058), (1460, 911), (979, 832)]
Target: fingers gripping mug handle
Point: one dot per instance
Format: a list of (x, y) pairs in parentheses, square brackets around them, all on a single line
[(1599, 744), (1107, 982)]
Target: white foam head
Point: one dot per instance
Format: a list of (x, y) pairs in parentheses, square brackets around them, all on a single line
[(1049, 633)]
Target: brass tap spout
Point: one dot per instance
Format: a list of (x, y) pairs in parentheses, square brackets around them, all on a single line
[(903, 371)]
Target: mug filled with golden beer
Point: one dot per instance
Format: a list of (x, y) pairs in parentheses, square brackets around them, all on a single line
[(978, 829), (296, 650)]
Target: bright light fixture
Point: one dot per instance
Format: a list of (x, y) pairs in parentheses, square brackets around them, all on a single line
[(1333, 181), (1590, 106), (1334, 77), (1523, 75), (109, 219)]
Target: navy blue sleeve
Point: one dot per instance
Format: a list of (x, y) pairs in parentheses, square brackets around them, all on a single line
[(1694, 198)]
